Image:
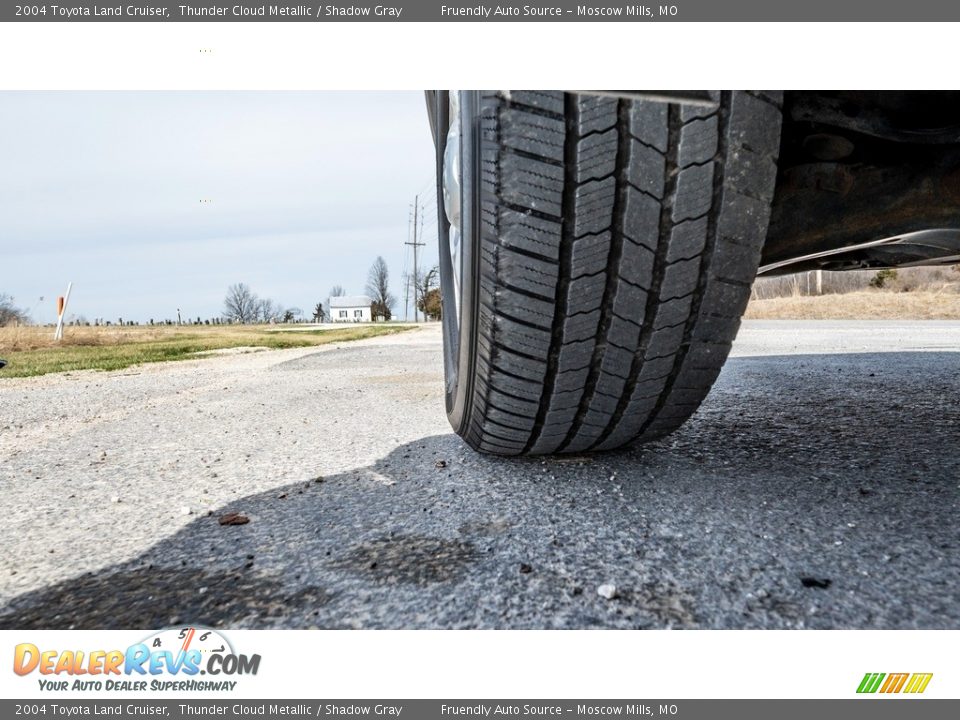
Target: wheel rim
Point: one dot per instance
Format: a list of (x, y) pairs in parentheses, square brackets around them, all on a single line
[(453, 203), (458, 262)]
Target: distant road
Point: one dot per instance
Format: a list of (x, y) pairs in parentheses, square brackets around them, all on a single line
[(818, 487)]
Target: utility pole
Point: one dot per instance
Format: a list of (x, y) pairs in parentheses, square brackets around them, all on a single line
[(416, 277), (406, 282)]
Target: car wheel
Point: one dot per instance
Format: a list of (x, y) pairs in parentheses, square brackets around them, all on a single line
[(597, 254)]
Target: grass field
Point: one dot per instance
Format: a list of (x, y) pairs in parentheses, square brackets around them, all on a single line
[(863, 305), (32, 351)]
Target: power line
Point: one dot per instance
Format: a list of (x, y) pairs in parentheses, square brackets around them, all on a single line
[(431, 183)]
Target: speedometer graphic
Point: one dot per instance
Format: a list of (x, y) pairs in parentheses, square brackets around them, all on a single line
[(182, 639)]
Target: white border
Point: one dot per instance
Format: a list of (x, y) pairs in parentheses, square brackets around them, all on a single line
[(365, 56)]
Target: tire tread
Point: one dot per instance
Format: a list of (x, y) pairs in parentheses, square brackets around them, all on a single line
[(619, 239)]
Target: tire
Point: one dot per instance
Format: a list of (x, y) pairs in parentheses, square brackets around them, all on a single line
[(609, 249)]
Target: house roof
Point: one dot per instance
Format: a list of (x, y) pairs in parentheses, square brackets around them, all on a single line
[(350, 301)]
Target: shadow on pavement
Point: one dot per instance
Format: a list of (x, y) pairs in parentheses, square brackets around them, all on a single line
[(808, 491)]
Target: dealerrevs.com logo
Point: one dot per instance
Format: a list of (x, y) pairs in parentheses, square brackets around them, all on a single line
[(171, 659), (911, 683)]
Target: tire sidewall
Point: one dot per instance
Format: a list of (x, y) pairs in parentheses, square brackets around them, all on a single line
[(459, 338)]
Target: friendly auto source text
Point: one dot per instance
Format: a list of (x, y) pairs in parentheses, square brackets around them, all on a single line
[(583, 11), (484, 710)]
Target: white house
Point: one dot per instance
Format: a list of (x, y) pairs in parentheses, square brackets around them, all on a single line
[(349, 308)]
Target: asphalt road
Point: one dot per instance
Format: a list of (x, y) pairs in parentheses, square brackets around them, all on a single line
[(818, 487)]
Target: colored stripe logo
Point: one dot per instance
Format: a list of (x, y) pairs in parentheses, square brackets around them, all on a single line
[(912, 683)]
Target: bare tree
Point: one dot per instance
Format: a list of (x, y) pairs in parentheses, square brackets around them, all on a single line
[(425, 281), (269, 311), (337, 291), (10, 314), (319, 314), (241, 304), (378, 288)]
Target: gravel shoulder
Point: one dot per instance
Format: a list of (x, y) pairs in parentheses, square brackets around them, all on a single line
[(817, 487)]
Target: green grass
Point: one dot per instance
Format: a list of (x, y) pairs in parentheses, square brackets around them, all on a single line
[(29, 352)]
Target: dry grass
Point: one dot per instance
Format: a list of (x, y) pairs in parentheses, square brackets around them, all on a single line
[(39, 337), (919, 279), (863, 305), (32, 350)]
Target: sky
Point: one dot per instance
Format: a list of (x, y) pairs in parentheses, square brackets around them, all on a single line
[(153, 201)]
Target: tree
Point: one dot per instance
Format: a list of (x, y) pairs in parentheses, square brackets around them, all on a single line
[(10, 314), (241, 304), (269, 311), (337, 291), (378, 288), (426, 281), (319, 315), (431, 304)]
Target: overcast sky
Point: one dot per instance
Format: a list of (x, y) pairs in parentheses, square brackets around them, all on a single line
[(104, 189)]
